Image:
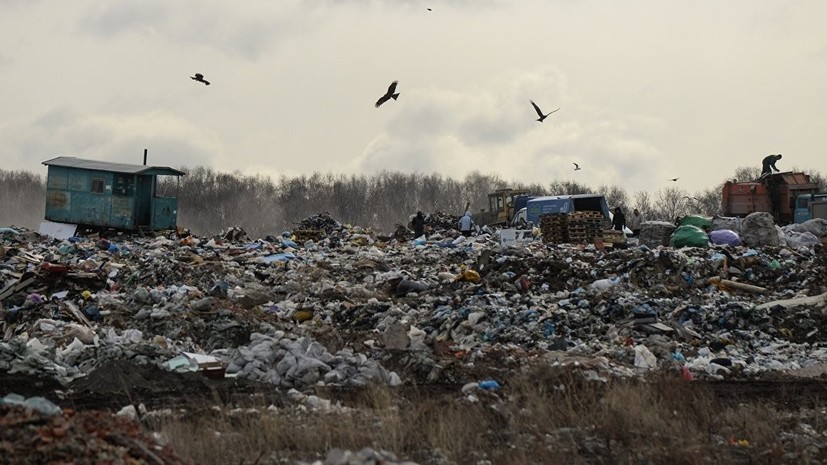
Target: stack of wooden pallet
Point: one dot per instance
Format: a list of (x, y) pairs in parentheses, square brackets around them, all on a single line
[(611, 237), (554, 228), (584, 226)]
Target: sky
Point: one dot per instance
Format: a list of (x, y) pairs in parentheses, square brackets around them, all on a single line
[(647, 90)]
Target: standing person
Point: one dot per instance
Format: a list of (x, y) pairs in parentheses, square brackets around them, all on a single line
[(418, 223), (634, 223), (768, 164), (619, 220), (465, 224)]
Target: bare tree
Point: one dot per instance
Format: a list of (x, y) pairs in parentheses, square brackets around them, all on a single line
[(670, 203), (708, 202), (643, 202), (746, 173), (820, 180), (22, 199), (615, 196), (477, 186), (569, 188)]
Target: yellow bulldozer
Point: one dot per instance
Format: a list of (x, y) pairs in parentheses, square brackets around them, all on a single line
[(500, 208)]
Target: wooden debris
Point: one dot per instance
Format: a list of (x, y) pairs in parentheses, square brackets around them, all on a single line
[(729, 284), (820, 299)]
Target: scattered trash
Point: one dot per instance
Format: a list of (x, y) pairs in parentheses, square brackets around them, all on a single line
[(334, 304), (37, 404), (489, 385)]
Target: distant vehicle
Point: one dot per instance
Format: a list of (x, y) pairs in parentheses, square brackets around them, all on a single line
[(539, 206), (776, 194), (501, 207), (809, 206), (548, 205)]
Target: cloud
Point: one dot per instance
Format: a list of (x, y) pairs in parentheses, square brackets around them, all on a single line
[(491, 127), (436, 4), (249, 31), (111, 19), (170, 141)]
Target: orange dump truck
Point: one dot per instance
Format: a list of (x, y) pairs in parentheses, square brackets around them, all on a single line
[(775, 194)]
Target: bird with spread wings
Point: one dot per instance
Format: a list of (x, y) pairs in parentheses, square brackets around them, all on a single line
[(540, 112), (200, 78), (390, 94)]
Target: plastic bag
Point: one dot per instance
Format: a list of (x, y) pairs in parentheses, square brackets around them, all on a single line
[(698, 221), (725, 237), (801, 239), (689, 236)]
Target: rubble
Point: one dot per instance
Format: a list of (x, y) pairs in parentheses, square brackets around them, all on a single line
[(30, 435)]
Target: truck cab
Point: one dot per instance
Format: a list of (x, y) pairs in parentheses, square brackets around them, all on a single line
[(809, 206)]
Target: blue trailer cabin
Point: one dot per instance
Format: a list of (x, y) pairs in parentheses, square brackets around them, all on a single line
[(110, 195)]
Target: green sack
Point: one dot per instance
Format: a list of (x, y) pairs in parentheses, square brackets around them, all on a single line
[(689, 236), (698, 221)]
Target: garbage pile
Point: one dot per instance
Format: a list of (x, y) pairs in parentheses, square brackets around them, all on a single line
[(303, 314), (36, 431), (442, 222), (322, 221)]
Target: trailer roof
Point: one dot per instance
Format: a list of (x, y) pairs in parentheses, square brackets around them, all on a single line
[(80, 163)]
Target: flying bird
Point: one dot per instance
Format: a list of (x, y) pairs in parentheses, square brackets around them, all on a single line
[(200, 78), (540, 112), (576, 166), (673, 179), (390, 94)]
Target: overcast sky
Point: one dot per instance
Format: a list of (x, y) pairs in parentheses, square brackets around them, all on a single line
[(647, 90)]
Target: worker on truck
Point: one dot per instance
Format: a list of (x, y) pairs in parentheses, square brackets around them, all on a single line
[(768, 164)]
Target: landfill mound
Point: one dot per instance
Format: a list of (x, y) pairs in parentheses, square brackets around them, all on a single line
[(351, 310), (180, 320)]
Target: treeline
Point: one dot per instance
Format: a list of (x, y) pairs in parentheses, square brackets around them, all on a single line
[(211, 201), (22, 199)]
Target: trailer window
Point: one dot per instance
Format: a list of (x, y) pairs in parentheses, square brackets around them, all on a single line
[(97, 185), (124, 185)]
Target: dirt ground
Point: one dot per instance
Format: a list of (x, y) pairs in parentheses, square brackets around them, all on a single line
[(114, 385), (89, 402)]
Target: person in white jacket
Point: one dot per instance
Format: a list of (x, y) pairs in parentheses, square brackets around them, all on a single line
[(634, 222), (465, 224)]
